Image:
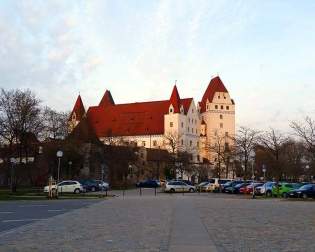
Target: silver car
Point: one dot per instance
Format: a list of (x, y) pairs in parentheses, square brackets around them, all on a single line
[(178, 186)]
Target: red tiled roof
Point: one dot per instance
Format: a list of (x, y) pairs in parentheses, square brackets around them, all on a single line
[(107, 99), (78, 109), (215, 85), (133, 119), (175, 100)]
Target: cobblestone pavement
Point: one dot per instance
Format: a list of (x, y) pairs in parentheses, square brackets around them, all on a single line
[(190, 222)]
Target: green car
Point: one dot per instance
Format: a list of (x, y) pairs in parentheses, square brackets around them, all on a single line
[(284, 189)]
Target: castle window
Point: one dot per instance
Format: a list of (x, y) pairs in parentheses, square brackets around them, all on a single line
[(188, 119), (219, 97), (207, 107), (154, 143), (190, 143), (182, 142), (221, 116), (182, 125), (226, 145), (221, 106), (73, 117), (197, 144), (227, 107), (226, 134), (216, 106), (171, 124), (198, 158), (196, 131), (195, 121), (143, 143), (192, 130), (221, 125), (171, 110), (224, 97), (192, 111)]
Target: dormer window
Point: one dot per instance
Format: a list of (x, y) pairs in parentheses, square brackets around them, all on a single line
[(171, 110), (73, 117), (181, 109)]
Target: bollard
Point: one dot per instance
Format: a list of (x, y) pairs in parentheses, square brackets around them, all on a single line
[(140, 191), (155, 191), (183, 191)]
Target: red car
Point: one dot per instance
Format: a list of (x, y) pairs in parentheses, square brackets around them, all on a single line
[(249, 189)]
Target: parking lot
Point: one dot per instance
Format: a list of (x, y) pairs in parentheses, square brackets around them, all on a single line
[(171, 222)]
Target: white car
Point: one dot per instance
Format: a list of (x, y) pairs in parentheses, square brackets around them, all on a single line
[(178, 186), (68, 186), (102, 185)]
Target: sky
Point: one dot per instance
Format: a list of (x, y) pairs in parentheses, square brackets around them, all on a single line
[(264, 52)]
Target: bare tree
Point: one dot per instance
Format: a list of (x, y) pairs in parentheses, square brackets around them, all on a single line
[(219, 149), (20, 119), (56, 124), (273, 142), (245, 141), (306, 131)]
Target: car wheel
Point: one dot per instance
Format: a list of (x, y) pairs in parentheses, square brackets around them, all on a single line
[(284, 195), (304, 196), (93, 189), (77, 191), (172, 190), (269, 193), (191, 190)]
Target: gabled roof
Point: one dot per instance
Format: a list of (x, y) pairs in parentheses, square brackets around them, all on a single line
[(215, 85), (175, 100), (107, 99), (78, 109)]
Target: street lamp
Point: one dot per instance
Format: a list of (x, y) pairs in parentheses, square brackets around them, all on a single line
[(264, 171), (70, 164), (12, 161), (59, 156), (307, 167)]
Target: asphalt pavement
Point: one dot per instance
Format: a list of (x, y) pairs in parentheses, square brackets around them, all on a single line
[(18, 213)]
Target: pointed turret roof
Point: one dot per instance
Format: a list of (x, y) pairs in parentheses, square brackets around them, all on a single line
[(78, 109), (215, 85), (175, 100), (107, 99)]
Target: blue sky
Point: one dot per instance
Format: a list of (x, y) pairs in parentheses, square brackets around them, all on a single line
[(264, 51)]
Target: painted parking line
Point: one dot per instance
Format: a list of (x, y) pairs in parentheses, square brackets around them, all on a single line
[(33, 205), (6, 212), (56, 210), (22, 220)]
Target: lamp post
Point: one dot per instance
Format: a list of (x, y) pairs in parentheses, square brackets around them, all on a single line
[(12, 161), (70, 164), (59, 156), (307, 167), (264, 171)]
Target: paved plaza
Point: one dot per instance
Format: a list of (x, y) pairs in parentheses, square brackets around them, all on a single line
[(189, 222)]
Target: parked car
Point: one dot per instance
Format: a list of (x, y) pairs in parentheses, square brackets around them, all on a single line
[(178, 186), (266, 189), (249, 188), (102, 185), (67, 186), (90, 185), (231, 184), (239, 188), (306, 191), (201, 187), (283, 189), (149, 183), (215, 184)]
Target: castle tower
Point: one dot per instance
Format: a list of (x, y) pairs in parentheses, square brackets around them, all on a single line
[(217, 110), (78, 112), (107, 99)]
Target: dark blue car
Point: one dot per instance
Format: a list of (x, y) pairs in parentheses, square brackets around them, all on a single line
[(149, 183), (306, 191)]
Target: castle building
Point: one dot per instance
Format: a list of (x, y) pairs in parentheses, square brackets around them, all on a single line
[(176, 124)]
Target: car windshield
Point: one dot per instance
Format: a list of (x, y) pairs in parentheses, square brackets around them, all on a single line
[(203, 183), (306, 187)]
